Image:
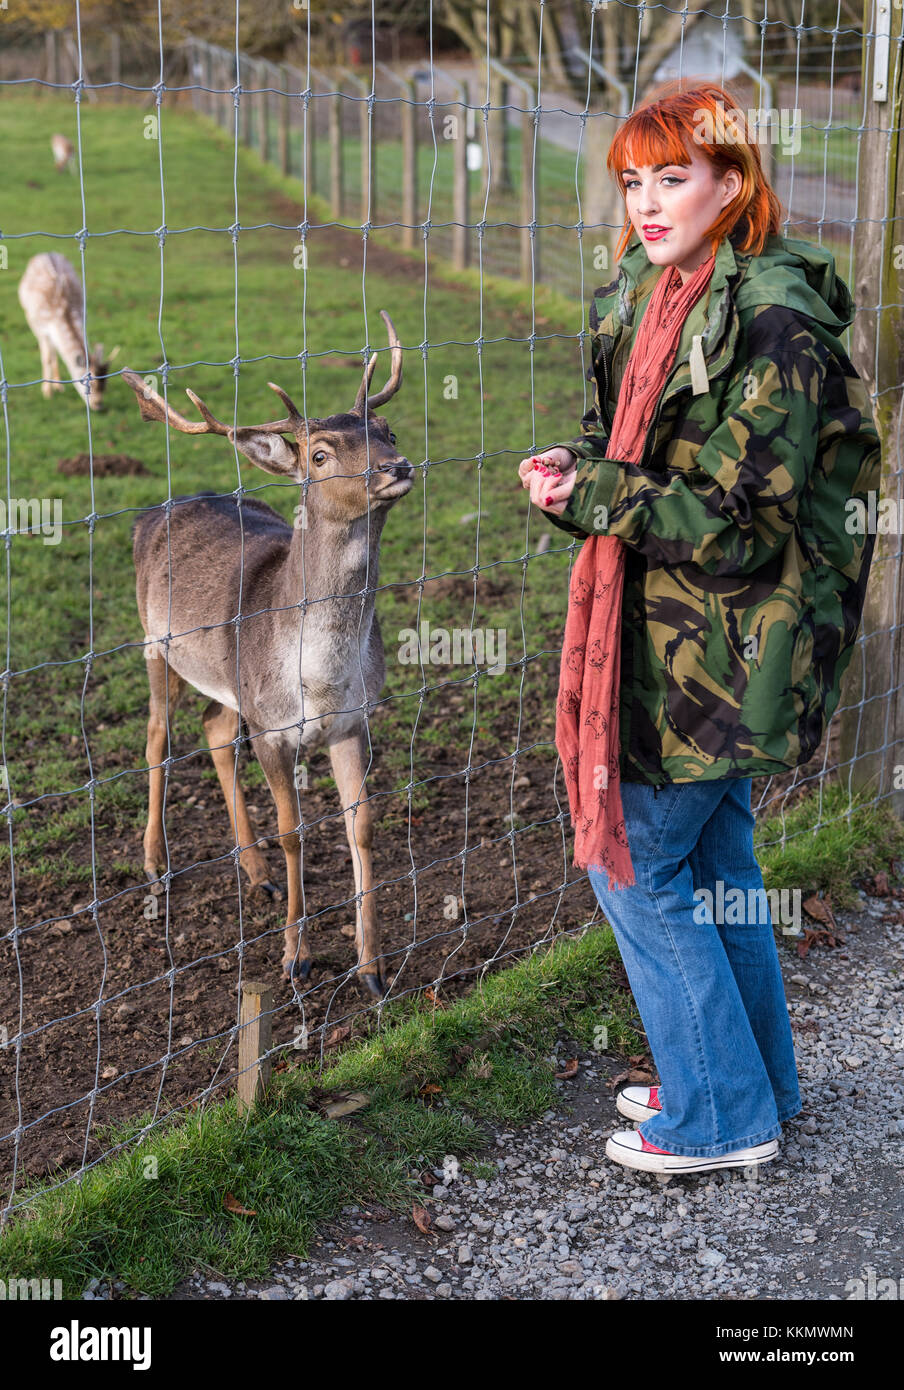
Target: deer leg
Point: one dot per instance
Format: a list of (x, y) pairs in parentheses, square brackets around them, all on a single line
[(276, 757), (349, 759), (48, 367), (166, 687), (221, 725)]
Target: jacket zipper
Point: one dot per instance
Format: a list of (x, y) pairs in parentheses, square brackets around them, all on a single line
[(604, 411)]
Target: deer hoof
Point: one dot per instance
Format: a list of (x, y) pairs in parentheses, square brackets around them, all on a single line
[(271, 890), (297, 969), (376, 984), (155, 886)]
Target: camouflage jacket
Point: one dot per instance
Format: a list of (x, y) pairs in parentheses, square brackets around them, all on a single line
[(744, 589)]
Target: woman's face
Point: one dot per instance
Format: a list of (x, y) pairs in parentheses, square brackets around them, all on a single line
[(686, 200)]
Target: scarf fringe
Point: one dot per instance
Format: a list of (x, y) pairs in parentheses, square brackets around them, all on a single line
[(614, 882)]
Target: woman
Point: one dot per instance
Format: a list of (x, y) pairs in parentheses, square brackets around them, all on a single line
[(741, 430)]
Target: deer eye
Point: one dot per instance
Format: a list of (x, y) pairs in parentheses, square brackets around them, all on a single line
[(319, 457), (392, 438)]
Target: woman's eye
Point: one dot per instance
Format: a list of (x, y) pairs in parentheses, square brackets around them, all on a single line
[(672, 178)]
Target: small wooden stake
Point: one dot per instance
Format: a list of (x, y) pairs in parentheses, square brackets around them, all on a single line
[(255, 1038)]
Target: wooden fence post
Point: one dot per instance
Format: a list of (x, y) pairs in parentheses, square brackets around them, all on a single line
[(409, 164), (461, 238), (308, 126), (262, 79), (255, 1040), (337, 173), (53, 56), (115, 65), (283, 153), (227, 101), (245, 79), (530, 264), (872, 727)]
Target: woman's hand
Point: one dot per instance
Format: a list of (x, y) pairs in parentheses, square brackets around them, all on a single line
[(550, 477)]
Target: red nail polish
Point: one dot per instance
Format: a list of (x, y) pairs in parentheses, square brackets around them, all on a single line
[(547, 502)]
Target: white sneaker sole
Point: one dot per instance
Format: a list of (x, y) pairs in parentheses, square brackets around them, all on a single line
[(631, 1109), (678, 1163)]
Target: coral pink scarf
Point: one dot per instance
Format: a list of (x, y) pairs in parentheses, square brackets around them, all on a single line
[(587, 734)]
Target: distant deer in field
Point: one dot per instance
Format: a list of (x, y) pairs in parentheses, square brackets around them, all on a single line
[(63, 152), (299, 675), (50, 292)]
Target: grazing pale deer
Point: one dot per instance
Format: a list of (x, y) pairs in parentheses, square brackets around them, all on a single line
[(298, 673), (50, 292), (63, 152)]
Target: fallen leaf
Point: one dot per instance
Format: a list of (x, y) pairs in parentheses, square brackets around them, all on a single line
[(635, 1076), (343, 1103), (232, 1204), (880, 887), (820, 909), (337, 1034), (422, 1218), (571, 1069), (814, 938), (431, 995)]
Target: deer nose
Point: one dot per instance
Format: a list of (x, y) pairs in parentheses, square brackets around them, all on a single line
[(402, 469)]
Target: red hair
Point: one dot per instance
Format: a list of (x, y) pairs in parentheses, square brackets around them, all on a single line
[(709, 118)]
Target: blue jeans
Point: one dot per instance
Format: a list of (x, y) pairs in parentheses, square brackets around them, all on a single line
[(710, 993)]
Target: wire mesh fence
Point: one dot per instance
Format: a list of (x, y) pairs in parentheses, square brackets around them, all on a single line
[(436, 845)]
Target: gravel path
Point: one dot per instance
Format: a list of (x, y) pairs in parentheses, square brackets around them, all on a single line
[(560, 1221)]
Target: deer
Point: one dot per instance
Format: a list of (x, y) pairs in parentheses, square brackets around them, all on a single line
[(63, 152), (305, 661), (50, 293)]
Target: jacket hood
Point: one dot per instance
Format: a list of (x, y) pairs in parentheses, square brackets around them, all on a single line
[(798, 274)]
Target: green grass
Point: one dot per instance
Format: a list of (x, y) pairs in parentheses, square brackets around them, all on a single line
[(77, 599), (828, 847), (206, 286), (154, 1211)]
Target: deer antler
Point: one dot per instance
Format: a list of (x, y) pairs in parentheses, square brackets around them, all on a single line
[(394, 381), (154, 407)]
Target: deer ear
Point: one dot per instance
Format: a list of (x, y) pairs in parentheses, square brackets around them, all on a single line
[(269, 451)]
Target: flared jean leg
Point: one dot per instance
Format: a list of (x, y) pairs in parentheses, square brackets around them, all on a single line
[(724, 864), (717, 1093)]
